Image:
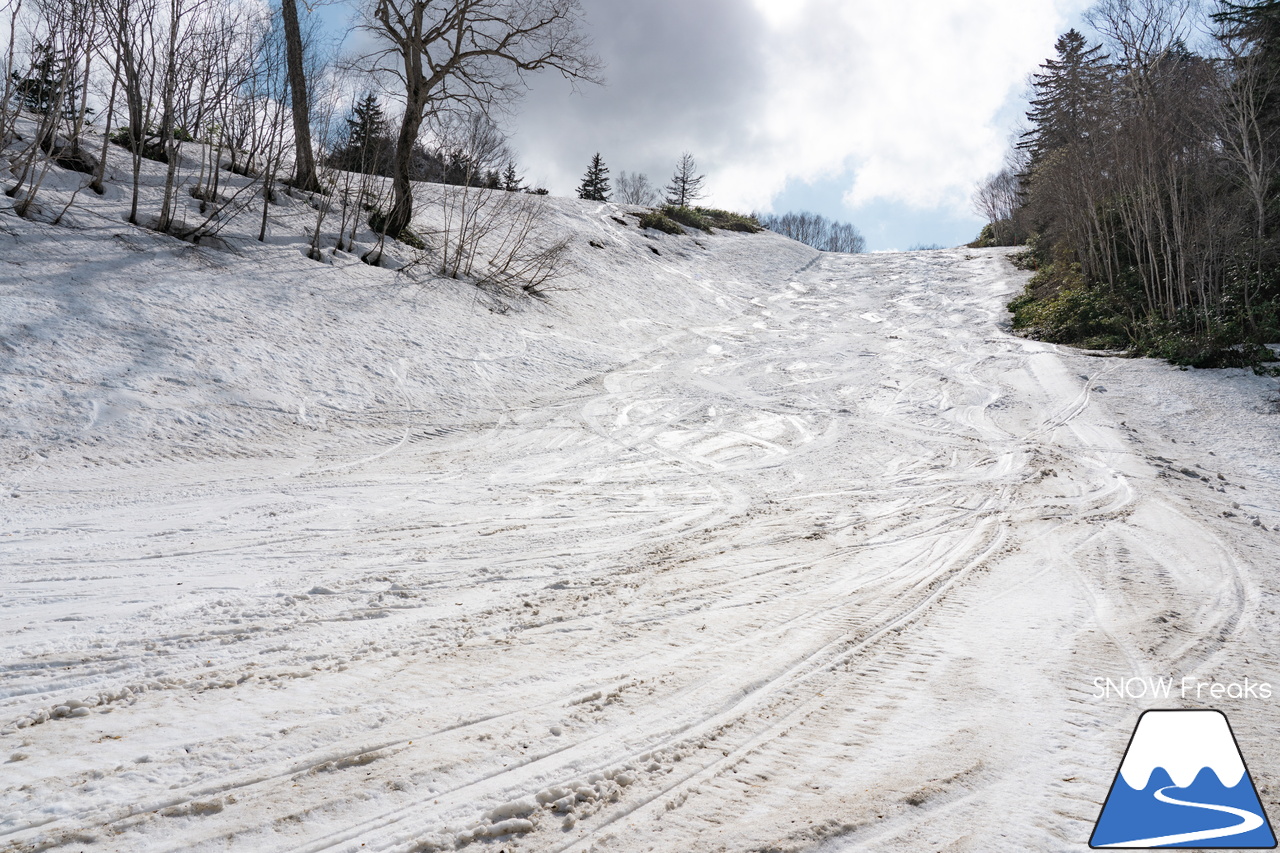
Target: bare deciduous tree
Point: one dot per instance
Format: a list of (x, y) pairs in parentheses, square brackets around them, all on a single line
[(473, 52), (815, 230), (635, 188), (686, 184)]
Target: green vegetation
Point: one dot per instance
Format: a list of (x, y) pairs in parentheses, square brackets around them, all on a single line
[(669, 218), (1147, 191), (728, 221), (1059, 307), (658, 221)]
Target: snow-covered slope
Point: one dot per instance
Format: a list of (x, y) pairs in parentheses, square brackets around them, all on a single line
[(114, 335), (730, 546)]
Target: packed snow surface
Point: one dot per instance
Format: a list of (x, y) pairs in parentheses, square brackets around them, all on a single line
[(725, 545)]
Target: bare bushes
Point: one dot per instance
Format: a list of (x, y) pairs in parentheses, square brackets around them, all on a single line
[(496, 239), (500, 240), (998, 199)]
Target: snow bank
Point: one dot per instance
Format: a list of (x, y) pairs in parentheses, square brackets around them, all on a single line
[(113, 336)]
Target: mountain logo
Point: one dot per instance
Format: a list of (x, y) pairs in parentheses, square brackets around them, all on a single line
[(1183, 783)]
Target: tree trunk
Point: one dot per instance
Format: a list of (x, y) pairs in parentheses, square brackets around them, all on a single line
[(401, 212), (304, 176), (101, 171)]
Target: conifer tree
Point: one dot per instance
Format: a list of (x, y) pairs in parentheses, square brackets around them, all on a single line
[(367, 122), (686, 185), (510, 180), (1070, 95), (40, 90), (1251, 33), (368, 139), (595, 183)]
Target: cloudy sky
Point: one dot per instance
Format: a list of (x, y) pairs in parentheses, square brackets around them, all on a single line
[(882, 113)]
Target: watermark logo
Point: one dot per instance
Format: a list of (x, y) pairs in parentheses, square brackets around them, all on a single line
[(1183, 783), (1158, 687)]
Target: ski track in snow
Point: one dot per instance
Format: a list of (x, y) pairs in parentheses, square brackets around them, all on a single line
[(833, 572)]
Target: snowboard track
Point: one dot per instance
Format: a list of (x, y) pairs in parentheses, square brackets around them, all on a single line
[(835, 573)]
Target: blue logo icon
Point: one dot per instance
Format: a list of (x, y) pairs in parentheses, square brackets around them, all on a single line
[(1183, 783)]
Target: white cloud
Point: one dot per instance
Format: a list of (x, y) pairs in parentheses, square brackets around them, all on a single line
[(907, 96)]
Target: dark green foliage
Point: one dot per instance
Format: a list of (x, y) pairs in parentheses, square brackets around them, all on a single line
[(149, 145), (1152, 194), (1024, 260), (367, 125), (1071, 94), (378, 219), (367, 146), (1003, 233), (410, 238), (48, 83), (1058, 306), (687, 216), (1254, 30), (595, 183), (669, 219), (510, 180), (1189, 341), (728, 221), (986, 238), (658, 221)]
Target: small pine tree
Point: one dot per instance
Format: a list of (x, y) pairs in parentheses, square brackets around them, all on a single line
[(368, 138), (510, 180), (595, 183), (39, 90), (685, 186)]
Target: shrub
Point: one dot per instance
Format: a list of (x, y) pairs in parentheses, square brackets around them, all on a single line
[(1059, 307), (658, 221), (687, 216), (1025, 260), (1002, 233), (151, 150), (1199, 341), (986, 238), (729, 221)]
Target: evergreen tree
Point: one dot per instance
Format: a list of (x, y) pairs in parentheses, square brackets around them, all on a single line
[(595, 183), (368, 144), (510, 180), (1257, 23), (367, 123), (1070, 96), (40, 90), (685, 186), (1252, 34)]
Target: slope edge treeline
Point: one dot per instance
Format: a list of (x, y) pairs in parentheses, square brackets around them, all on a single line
[(1148, 185)]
